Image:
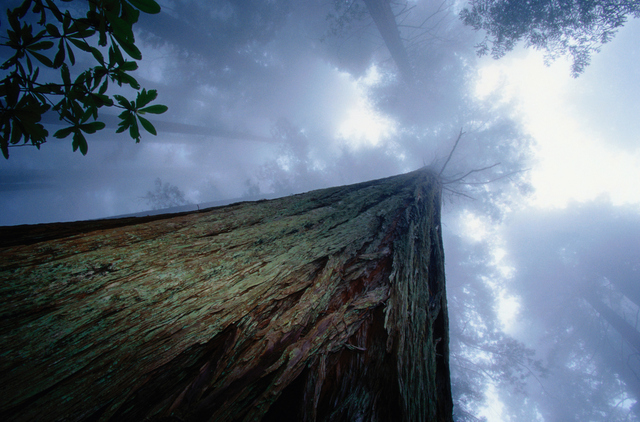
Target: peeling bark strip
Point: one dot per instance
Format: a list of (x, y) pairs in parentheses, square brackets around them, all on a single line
[(325, 306)]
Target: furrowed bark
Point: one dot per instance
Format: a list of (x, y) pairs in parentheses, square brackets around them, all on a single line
[(323, 306)]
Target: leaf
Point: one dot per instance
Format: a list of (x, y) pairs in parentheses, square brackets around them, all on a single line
[(82, 78), (122, 30), (123, 102), (63, 133), (92, 127), (127, 120), (17, 133), (14, 21), (147, 6), (147, 125), (134, 130), (102, 40), (37, 132), (12, 89), (60, 55), (81, 29), (42, 45), (64, 72), (53, 30), (122, 77), (48, 88), (145, 97), (129, 14), (72, 57), (79, 141), (115, 55), (98, 55), (128, 66), (66, 21), (23, 9), (129, 48), (104, 86), (54, 9), (102, 100), (154, 109), (90, 107), (42, 59)]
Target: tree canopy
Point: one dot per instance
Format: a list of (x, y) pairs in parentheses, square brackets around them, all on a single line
[(51, 36), (577, 28)]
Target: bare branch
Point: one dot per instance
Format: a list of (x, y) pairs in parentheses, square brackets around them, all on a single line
[(451, 153), (440, 9), (405, 11), (497, 178), (455, 192), (470, 172)]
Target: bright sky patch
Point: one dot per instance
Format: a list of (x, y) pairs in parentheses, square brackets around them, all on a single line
[(364, 126), (574, 161)]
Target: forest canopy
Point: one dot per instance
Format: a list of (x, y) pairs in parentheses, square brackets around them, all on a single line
[(576, 28)]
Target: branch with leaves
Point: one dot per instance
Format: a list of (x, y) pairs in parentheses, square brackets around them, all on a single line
[(53, 41), (572, 28)]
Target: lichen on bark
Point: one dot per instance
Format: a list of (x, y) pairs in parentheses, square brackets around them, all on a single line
[(323, 306)]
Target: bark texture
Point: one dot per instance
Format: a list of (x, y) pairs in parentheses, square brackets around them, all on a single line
[(324, 306)]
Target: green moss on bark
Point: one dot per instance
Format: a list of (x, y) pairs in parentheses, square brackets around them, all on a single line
[(328, 304)]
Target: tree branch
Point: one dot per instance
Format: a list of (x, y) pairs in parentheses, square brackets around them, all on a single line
[(470, 172), (451, 153)]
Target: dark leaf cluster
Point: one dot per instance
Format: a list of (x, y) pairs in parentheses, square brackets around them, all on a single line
[(45, 33), (575, 28)]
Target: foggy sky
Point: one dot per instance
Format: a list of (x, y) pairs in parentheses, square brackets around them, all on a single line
[(276, 106)]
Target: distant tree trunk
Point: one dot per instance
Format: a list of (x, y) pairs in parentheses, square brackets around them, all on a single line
[(380, 11), (325, 306), (626, 330), (618, 362), (629, 287)]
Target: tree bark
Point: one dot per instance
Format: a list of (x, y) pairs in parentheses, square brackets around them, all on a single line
[(324, 306)]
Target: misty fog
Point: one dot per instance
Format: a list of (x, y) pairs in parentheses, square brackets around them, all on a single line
[(271, 98)]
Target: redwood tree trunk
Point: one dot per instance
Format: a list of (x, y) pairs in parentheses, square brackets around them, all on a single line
[(380, 11), (324, 306)]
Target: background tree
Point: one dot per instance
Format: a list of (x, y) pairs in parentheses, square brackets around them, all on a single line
[(584, 303), (577, 28), (165, 196), (405, 28), (482, 354), (51, 36)]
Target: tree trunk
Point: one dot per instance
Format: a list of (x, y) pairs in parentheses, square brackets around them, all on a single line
[(629, 333), (325, 306), (380, 11)]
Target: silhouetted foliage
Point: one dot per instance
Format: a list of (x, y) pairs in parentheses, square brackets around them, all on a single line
[(577, 28), (107, 29)]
